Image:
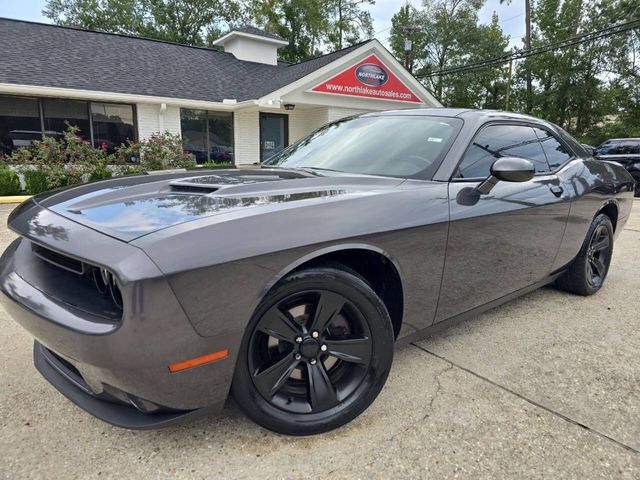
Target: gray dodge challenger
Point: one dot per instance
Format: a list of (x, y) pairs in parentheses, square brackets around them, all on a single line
[(152, 297)]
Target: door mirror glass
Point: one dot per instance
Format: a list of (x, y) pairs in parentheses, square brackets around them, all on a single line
[(513, 169)]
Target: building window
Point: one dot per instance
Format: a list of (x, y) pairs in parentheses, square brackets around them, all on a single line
[(112, 125), (19, 123), (58, 113), (22, 120), (207, 135)]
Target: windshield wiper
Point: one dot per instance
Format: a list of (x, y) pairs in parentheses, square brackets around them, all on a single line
[(318, 168)]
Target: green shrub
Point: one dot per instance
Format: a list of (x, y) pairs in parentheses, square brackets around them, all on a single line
[(217, 165), (36, 181), (64, 176), (100, 172), (129, 170), (9, 182)]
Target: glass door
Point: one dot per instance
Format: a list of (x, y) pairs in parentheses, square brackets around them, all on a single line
[(274, 134)]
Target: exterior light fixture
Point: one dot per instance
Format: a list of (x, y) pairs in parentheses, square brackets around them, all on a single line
[(289, 106)]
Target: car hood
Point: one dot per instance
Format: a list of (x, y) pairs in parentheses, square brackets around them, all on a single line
[(132, 207)]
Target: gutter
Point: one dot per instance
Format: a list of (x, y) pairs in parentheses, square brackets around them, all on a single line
[(41, 91)]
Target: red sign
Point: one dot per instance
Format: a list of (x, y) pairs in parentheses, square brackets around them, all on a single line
[(368, 78)]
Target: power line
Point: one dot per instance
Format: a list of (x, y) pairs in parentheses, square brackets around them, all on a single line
[(517, 55), (510, 18)]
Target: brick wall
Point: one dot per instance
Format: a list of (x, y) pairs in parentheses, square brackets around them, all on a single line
[(246, 127), (150, 121), (305, 121), (336, 113)]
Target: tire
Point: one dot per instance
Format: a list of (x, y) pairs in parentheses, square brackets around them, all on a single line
[(293, 381), (589, 269), (636, 177)]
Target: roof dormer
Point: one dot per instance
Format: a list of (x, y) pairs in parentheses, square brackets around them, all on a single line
[(252, 45)]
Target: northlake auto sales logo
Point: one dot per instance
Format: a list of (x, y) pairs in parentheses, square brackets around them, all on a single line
[(368, 78), (372, 75)]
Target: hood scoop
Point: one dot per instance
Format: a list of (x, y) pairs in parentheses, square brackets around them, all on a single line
[(193, 188)]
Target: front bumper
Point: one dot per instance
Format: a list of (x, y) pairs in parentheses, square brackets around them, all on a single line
[(130, 357), (103, 406)]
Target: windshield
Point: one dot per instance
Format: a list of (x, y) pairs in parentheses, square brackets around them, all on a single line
[(401, 146)]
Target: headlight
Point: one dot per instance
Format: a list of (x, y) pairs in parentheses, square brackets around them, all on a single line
[(107, 284)]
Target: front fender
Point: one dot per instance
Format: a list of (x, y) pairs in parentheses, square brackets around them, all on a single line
[(310, 256)]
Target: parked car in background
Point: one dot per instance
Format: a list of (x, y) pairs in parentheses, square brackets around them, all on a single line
[(625, 151), (151, 297)]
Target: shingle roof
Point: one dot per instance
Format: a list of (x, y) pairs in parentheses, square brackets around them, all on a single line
[(255, 31), (54, 56)]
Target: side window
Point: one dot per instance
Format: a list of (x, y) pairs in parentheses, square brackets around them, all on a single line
[(605, 148), (497, 141), (629, 147), (553, 149)]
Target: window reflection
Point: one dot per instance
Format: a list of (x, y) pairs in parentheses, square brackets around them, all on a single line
[(57, 113), (496, 141), (112, 125), (207, 135), (19, 123), (23, 120)]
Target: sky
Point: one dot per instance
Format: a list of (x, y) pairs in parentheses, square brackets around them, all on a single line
[(511, 15)]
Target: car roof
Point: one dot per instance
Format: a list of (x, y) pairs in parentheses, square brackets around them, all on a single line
[(465, 113)]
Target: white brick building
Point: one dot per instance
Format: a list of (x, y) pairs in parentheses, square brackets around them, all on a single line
[(240, 105)]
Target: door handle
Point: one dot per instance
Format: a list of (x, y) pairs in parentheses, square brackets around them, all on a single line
[(556, 190)]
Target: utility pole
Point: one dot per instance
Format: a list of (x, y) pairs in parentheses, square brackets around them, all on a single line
[(408, 30), (527, 43), (508, 94)]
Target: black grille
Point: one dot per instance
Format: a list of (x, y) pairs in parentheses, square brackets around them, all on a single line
[(75, 282), (57, 259)]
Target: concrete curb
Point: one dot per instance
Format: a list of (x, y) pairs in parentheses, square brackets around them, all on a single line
[(14, 199)]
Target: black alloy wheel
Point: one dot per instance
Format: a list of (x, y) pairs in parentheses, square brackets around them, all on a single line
[(588, 271), (316, 354), (598, 255)]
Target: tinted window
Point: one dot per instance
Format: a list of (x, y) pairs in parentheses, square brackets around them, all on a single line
[(629, 147), (553, 149), (220, 137), (400, 146), (207, 135), (497, 141), (19, 123), (610, 147), (112, 125), (57, 113)]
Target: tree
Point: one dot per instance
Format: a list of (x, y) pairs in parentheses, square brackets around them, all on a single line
[(192, 22), (585, 87), (348, 22), (445, 34), (485, 87), (304, 23)]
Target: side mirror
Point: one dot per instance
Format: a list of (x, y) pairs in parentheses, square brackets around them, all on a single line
[(591, 150), (508, 169)]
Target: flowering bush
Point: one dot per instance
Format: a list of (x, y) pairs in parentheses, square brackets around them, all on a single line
[(53, 163), (59, 163), (162, 151)]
